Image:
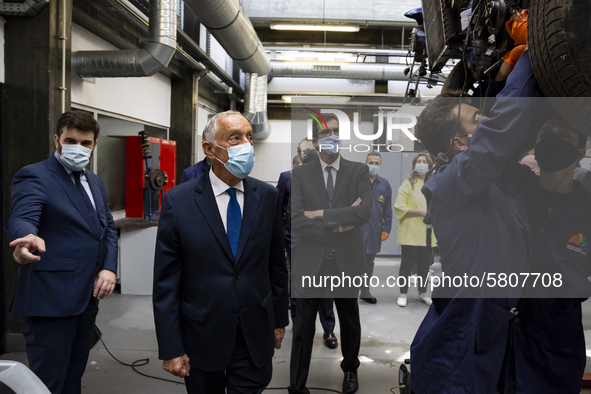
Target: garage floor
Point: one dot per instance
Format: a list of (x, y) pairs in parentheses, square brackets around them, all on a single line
[(387, 331)]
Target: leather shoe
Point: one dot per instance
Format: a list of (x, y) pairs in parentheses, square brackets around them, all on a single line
[(330, 340), (350, 384), (367, 297)]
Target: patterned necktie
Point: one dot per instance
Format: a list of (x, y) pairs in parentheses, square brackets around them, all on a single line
[(233, 221), (329, 185), (90, 211)]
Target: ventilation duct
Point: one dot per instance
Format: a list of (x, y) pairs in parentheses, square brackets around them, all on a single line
[(229, 24), (255, 105), (27, 8), (145, 62), (260, 124), (250, 91), (364, 71)]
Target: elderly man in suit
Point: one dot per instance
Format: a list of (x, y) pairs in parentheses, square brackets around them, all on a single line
[(330, 200), (220, 280), (65, 241)]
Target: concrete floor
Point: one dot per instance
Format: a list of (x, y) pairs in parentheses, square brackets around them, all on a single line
[(387, 332)]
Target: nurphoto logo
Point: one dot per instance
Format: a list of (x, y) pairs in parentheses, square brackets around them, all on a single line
[(392, 123)]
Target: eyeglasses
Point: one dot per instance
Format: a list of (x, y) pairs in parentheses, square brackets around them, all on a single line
[(325, 133)]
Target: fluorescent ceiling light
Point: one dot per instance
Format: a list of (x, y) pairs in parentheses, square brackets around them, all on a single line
[(341, 28), (305, 100)]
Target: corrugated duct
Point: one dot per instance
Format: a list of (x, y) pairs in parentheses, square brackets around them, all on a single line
[(156, 55)]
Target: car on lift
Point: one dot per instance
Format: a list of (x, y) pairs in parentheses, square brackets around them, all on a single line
[(474, 33)]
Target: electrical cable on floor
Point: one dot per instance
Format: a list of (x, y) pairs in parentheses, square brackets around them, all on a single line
[(144, 361), (309, 388), (136, 363)]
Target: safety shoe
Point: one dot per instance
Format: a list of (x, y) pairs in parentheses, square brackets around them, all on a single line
[(402, 300), (425, 299)]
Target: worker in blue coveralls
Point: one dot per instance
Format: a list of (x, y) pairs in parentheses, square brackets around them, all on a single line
[(547, 342), (378, 228), (481, 227)]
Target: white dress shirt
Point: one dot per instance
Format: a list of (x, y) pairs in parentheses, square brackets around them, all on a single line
[(335, 169), (83, 179), (222, 198)]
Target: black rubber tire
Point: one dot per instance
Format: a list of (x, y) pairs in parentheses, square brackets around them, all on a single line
[(559, 38), (456, 81)]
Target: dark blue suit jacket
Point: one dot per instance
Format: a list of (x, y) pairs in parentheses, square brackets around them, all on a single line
[(284, 188), (195, 171), (45, 203), (200, 290)]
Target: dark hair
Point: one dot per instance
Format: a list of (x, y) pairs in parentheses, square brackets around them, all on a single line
[(373, 154), (80, 120), (437, 122), (316, 127), (296, 160)]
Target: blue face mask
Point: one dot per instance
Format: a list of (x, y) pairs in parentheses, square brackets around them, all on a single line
[(75, 157), (373, 170), (422, 168), (330, 144), (240, 159), (310, 156)]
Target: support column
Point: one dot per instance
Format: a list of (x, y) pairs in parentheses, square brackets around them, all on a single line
[(33, 73), (183, 121)]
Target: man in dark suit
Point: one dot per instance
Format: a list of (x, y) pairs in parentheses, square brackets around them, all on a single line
[(330, 200), (220, 280), (65, 241), (306, 153)]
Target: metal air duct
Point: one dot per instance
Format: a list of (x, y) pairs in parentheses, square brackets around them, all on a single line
[(250, 89), (231, 27), (364, 71), (255, 105), (260, 124), (145, 62)]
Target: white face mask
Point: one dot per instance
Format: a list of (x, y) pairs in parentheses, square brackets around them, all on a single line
[(240, 159), (75, 157), (421, 168)]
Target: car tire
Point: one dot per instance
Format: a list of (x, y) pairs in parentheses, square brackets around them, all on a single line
[(559, 41)]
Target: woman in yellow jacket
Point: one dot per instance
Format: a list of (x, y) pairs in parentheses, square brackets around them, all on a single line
[(411, 208)]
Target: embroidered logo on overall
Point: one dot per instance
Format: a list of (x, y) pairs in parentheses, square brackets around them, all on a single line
[(578, 243)]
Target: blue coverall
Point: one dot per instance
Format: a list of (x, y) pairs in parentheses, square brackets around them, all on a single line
[(548, 341), (481, 227)]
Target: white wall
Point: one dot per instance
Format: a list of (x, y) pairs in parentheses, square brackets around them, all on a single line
[(274, 155), (146, 99)]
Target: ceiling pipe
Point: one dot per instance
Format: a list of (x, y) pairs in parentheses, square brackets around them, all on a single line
[(368, 52), (231, 27), (255, 105), (27, 8), (334, 70), (145, 62), (261, 127), (250, 89)]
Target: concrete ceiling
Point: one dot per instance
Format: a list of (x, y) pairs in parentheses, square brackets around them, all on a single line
[(376, 10)]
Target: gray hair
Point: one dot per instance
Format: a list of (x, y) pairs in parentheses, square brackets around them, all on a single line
[(211, 128)]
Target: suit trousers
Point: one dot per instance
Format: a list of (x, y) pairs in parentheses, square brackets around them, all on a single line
[(303, 339), (58, 347), (325, 312), (241, 376)]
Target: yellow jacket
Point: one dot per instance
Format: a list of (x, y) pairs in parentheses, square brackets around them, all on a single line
[(411, 231)]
